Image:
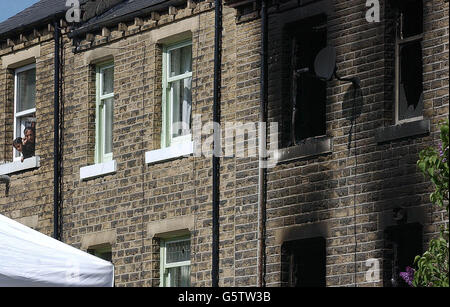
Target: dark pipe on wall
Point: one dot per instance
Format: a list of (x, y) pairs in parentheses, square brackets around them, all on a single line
[(5, 179), (56, 145), (217, 147), (262, 189)]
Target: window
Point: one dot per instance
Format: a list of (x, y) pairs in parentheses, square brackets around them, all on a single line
[(307, 93), (175, 262), (403, 244), (177, 94), (104, 113), (103, 252), (24, 107), (305, 262), (408, 61)]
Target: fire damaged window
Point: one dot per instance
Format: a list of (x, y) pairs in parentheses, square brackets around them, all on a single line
[(408, 60), (403, 243), (304, 263), (307, 93)]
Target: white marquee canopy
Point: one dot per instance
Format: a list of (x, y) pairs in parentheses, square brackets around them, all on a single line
[(29, 258)]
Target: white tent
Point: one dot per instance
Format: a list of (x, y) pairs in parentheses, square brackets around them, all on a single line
[(29, 258)]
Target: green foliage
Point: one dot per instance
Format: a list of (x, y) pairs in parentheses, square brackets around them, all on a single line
[(432, 266), (434, 163)]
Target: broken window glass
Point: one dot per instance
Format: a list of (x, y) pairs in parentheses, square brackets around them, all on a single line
[(409, 60), (411, 88)]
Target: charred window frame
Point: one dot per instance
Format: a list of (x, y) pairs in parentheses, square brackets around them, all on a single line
[(408, 60), (306, 94), (304, 263), (402, 243)]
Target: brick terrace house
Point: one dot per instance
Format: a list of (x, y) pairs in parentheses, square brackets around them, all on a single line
[(119, 179)]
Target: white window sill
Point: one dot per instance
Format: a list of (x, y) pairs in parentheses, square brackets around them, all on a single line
[(97, 170), (18, 166), (169, 153)]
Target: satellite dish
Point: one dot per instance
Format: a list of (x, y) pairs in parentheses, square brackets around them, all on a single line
[(325, 66), (325, 63)]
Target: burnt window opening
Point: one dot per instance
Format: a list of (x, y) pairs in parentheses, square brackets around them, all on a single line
[(410, 17), (408, 60), (402, 244), (304, 263), (306, 110)]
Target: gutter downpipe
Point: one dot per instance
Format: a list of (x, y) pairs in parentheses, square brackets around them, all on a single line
[(217, 142), (262, 174), (56, 156), (4, 178)]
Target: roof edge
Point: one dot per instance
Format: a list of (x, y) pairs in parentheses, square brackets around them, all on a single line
[(27, 27), (115, 20)]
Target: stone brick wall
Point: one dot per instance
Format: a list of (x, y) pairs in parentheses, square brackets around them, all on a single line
[(352, 190), (436, 89), (29, 196)]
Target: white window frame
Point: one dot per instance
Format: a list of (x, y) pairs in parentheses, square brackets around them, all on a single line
[(166, 138), (22, 113), (100, 155), (399, 41), (164, 280)]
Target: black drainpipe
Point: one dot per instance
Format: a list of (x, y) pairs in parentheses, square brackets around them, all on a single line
[(56, 157), (216, 154), (262, 174)]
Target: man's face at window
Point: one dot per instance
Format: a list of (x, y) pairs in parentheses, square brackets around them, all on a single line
[(29, 136)]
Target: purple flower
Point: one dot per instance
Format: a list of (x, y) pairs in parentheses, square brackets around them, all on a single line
[(408, 276), (442, 153)]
